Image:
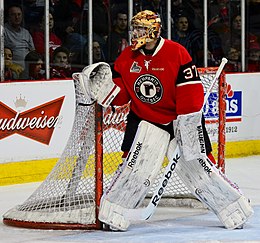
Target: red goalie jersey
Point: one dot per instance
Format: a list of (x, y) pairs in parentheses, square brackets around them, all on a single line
[(160, 86)]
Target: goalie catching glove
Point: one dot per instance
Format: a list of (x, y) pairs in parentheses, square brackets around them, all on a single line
[(96, 82)]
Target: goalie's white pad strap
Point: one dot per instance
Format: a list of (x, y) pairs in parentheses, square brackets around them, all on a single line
[(213, 188), (189, 134), (96, 79), (236, 213), (138, 172), (113, 215)]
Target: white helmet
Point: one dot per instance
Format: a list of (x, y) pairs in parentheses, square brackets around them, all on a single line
[(145, 27)]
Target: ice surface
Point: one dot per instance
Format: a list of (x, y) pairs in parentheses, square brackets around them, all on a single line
[(167, 225)]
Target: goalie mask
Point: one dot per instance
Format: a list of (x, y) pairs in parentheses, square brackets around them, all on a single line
[(145, 27)]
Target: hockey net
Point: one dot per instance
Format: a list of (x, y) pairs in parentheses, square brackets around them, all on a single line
[(70, 195)]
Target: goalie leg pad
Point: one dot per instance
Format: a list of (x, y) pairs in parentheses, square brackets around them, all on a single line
[(212, 188), (139, 170), (189, 134), (203, 179)]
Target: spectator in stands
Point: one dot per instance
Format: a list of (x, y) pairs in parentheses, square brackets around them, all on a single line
[(234, 60), (254, 58), (33, 66), (184, 33), (39, 39), (102, 11), (12, 70), (219, 11), (218, 29), (181, 30), (235, 32), (98, 55), (101, 23), (215, 47), (61, 67), (69, 21), (75, 42), (15, 36), (233, 36), (117, 40)]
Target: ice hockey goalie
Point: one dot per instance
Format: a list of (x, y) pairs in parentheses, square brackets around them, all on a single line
[(161, 83)]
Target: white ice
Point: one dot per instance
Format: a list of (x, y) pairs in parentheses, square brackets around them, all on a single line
[(167, 225)]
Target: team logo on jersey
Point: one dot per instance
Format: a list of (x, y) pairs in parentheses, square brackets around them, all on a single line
[(148, 89), (147, 63), (135, 68)]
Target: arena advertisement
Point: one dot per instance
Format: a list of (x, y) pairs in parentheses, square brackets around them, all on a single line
[(114, 121), (35, 119), (242, 107)]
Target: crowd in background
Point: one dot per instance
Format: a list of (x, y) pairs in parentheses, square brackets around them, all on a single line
[(24, 37)]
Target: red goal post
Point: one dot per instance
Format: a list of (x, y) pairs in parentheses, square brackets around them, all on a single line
[(215, 113), (69, 197)]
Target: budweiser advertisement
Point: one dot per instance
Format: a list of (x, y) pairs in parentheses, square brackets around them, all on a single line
[(35, 119), (114, 121)]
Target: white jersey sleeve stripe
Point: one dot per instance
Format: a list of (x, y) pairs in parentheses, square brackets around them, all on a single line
[(191, 82)]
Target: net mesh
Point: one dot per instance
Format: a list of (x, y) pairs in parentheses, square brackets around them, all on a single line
[(67, 196), (67, 199)]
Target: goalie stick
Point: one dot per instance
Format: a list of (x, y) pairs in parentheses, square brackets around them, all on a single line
[(146, 212)]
